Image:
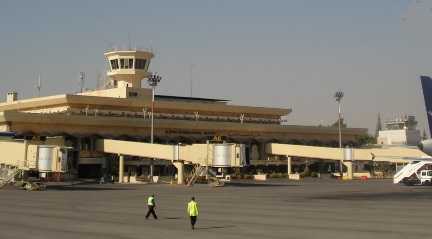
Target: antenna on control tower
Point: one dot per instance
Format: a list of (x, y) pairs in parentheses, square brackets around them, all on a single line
[(191, 79), (39, 85)]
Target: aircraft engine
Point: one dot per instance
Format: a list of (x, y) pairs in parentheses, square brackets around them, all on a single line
[(426, 146)]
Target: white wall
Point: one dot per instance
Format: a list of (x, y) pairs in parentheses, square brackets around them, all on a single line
[(399, 137)]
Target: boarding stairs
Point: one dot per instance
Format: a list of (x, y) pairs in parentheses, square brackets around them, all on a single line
[(409, 170), (197, 172), (8, 175), (201, 171)]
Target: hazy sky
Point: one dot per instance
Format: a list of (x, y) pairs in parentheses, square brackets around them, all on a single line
[(288, 53)]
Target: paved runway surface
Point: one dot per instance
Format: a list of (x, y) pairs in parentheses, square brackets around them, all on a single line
[(276, 209)]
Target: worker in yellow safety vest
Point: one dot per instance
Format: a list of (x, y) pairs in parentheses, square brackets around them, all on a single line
[(192, 209), (151, 206)]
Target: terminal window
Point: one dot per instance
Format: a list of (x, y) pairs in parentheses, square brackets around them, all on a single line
[(133, 94), (140, 63)]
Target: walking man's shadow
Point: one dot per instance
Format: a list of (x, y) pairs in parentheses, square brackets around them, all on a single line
[(201, 228), (172, 218), (214, 227)]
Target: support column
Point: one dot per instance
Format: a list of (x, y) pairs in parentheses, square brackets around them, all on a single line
[(180, 170), (262, 151), (121, 168), (349, 165), (289, 167)]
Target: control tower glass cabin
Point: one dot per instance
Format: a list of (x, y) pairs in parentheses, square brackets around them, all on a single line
[(127, 68)]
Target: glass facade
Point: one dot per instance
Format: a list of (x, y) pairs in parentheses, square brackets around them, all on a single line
[(140, 64), (128, 63), (114, 64)]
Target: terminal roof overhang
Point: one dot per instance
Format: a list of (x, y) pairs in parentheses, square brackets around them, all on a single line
[(171, 97), (138, 105), (13, 117), (81, 124)]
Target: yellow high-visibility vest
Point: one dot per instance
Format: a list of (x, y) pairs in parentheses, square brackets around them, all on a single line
[(150, 201), (192, 209)]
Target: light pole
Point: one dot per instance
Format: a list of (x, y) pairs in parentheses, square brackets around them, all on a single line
[(338, 96), (153, 80), (82, 79)]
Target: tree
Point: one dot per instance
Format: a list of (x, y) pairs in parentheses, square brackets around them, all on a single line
[(365, 140), (336, 124)]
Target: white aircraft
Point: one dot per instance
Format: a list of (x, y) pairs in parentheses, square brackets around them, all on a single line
[(419, 170)]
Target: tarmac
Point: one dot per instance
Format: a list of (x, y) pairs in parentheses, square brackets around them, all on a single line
[(244, 209)]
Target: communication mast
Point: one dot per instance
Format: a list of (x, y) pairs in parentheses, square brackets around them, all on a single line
[(39, 85), (191, 79), (99, 81), (82, 79)]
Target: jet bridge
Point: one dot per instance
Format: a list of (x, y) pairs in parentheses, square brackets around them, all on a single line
[(401, 155), (29, 155), (208, 155)]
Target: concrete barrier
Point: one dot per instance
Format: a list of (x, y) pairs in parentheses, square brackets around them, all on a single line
[(362, 175), (260, 177), (294, 176)]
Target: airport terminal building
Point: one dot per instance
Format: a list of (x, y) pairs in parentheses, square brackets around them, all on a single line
[(123, 110)]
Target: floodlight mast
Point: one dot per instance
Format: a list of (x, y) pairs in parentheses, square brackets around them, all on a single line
[(82, 79), (338, 96), (153, 81)]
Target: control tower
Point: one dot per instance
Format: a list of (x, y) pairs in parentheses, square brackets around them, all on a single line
[(401, 131), (128, 67)]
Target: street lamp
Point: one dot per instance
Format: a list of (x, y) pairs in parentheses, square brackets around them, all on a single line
[(338, 96), (153, 81), (82, 79)]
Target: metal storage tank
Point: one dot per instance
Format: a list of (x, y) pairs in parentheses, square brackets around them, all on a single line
[(241, 155), (348, 153), (45, 157), (222, 155)]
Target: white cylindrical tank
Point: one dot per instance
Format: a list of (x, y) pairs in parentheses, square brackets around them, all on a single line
[(45, 157), (222, 155), (348, 153)]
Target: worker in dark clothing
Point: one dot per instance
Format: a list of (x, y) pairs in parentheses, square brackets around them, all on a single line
[(151, 206), (192, 209)]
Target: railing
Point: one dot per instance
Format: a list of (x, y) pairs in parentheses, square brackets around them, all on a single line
[(408, 171), (200, 171), (191, 117), (146, 115), (8, 175), (127, 48)]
